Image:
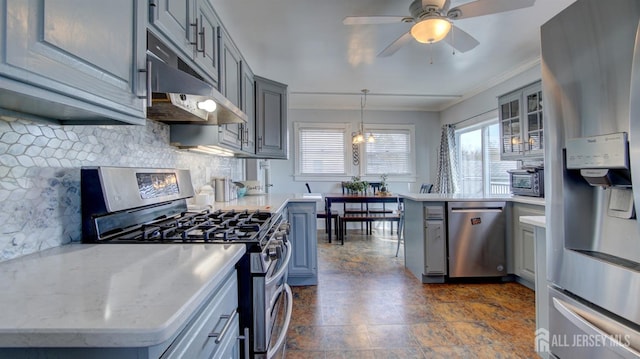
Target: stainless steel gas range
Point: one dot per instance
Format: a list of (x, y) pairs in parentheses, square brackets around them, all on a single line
[(148, 205)]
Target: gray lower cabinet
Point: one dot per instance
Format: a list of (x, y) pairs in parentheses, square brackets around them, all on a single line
[(73, 61), (195, 340), (214, 330), (271, 119), (303, 267), (524, 243), (426, 240)]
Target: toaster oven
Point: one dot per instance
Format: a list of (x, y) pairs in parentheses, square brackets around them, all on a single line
[(527, 181)]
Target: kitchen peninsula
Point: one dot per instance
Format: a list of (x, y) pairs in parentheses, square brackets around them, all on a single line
[(426, 235)]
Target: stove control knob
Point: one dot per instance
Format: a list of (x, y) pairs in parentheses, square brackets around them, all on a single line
[(281, 236), (273, 252), (285, 227)]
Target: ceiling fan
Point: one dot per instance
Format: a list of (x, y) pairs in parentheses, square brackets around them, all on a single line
[(433, 21)]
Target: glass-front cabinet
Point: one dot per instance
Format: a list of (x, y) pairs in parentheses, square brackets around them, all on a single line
[(521, 129), (533, 135)]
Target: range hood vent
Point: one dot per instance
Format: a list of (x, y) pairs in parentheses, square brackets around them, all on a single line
[(178, 96)]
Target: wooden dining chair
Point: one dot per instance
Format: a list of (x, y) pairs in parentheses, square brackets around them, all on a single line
[(375, 188), (323, 215), (426, 188), (350, 209)]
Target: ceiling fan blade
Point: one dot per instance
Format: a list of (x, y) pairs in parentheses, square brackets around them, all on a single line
[(445, 6), (486, 7), (369, 20), (396, 45), (461, 40)]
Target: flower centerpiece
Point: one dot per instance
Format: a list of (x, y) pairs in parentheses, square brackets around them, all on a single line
[(356, 185)]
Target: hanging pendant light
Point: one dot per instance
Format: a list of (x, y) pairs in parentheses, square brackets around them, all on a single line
[(360, 137)]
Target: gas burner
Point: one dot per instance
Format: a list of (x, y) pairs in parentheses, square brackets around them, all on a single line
[(205, 226)]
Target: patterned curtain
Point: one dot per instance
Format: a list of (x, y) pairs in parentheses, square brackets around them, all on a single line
[(447, 181)]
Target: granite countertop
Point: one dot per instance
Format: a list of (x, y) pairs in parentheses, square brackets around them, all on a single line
[(108, 295), (538, 221), (448, 197)]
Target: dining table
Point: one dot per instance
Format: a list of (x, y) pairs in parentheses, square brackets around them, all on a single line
[(331, 198)]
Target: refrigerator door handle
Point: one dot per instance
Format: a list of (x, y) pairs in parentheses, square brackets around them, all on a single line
[(634, 119), (595, 325)]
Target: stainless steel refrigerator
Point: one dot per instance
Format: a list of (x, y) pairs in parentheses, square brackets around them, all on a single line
[(591, 91)]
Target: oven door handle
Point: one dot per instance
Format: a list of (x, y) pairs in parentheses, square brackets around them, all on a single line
[(283, 268), (285, 327), (596, 325)]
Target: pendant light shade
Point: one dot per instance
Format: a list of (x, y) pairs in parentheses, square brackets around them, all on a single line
[(431, 29)]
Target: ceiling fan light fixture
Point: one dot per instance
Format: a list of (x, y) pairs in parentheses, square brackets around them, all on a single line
[(431, 29)]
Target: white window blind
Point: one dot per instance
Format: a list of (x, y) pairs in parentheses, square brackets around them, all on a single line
[(322, 151), (390, 153)]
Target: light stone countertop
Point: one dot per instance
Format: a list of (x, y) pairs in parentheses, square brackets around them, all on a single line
[(108, 295), (449, 197), (267, 202), (538, 221), (276, 202)]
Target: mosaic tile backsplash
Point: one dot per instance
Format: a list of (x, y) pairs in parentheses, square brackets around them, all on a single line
[(40, 174)]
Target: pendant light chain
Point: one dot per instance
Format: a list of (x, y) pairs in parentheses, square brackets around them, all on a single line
[(363, 103)]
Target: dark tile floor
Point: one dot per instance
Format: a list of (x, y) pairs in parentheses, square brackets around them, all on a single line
[(367, 305)]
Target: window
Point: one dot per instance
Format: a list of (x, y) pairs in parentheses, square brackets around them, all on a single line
[(324, 151), (321, 149), (392, 151), (481, 171)]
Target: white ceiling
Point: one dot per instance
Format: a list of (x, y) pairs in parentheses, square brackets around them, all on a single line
[(304, 44)]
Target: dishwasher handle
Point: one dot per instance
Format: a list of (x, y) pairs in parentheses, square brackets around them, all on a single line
[(476, 209)]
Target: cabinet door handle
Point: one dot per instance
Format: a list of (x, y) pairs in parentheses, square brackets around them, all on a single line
[(147, 81), (203, 38), (245, 337), (230, 318), (195, 43), (259, 142)]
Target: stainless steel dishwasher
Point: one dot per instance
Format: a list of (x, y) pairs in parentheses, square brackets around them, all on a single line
[(476, 241)]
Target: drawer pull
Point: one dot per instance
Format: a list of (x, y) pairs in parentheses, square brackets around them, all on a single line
[(230, 318)]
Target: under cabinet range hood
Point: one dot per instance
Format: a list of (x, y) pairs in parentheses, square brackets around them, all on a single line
[(179, 96)]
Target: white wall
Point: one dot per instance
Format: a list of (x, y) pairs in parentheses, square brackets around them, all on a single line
[(484, 106), (427, 138)]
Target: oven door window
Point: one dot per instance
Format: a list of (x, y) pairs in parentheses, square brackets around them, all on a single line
[(521, 181)]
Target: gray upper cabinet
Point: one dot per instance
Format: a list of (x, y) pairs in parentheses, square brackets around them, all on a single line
[(249, 107), (189, 27), (206, 56), (230, 86), (271, 119), (230, 69), (521, 128), (74, 62)]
